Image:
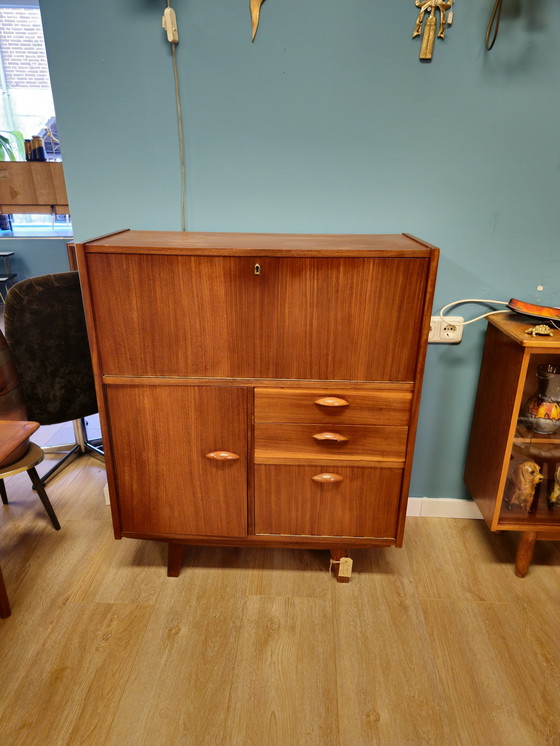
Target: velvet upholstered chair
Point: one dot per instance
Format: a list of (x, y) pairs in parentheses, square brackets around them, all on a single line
[(45, 377), (46, 333)]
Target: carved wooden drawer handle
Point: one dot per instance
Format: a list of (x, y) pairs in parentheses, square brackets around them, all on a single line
[(337, 437), (222, 456), (332, 401), (327, 478)]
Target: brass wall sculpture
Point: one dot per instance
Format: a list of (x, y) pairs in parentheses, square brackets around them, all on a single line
[(429, 35)]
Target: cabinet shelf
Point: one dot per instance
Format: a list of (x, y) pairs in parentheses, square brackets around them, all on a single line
[(540, 447), (523, 434), (537, 439)]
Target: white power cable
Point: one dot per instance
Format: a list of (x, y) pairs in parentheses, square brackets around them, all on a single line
[(169, 23), (473, 300), (181, 139)]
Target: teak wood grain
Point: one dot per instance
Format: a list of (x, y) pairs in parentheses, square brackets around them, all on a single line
[(493, 420), (303, 318), (274, 442), (267, 244), (289, 501), (168, 485), (300, 406), (215, 343), (515, 327)]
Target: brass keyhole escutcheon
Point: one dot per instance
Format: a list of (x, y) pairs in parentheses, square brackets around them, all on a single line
[(257, 269)]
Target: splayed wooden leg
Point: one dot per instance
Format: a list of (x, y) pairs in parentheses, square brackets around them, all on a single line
[(525, 550)]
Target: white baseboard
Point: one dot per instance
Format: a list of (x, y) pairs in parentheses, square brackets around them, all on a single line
[(442, 507)]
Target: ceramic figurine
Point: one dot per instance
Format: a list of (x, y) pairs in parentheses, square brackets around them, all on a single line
[(540, 330), (554, 497), (542, 410), (520, 487)]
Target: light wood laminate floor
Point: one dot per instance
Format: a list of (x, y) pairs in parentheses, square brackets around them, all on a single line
[(437, 643)]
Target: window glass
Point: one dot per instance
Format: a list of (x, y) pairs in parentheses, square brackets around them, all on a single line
[(26, 104)]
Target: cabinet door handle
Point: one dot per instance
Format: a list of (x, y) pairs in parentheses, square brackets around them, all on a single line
[(332, 401), (222, 456), (327, 478), (336, 437)]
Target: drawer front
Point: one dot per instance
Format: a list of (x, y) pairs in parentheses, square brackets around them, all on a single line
[(280, 443), (381, 407), (302, 501)]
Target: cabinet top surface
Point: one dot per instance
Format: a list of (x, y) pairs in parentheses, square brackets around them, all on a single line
[(515, 327), (260, 243)]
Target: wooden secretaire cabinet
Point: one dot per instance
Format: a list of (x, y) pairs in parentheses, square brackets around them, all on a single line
[(258, 389)]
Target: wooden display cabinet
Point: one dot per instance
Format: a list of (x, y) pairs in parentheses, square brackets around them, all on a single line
[(508, 452), (258, 389)]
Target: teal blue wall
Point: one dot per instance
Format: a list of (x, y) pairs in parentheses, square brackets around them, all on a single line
[(36, 256), (329, 123)]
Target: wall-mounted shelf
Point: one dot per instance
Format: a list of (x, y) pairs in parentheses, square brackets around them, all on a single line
[(32, 187)]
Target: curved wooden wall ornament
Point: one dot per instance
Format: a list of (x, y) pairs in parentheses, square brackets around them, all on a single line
[(255, 16)]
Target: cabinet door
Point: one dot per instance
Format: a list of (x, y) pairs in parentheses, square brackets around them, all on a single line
[(339, 318), (321, 318), (161, 436), (174, 315)]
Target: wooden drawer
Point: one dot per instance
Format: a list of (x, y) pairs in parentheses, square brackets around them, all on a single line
[(380, 407), (281, 443), (363, 503)]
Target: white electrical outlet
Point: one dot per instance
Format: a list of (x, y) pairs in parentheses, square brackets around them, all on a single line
[(445, 332)]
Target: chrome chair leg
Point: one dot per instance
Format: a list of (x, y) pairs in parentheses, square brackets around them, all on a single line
[(81, 446)]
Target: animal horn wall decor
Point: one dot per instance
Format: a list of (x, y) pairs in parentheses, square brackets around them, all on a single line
[(255, 15), (429, 35)]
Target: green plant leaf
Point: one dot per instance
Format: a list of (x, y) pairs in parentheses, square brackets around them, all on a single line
[(20, 140), (6, 148)]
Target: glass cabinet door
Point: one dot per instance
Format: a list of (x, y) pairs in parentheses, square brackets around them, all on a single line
[(532, 487)]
